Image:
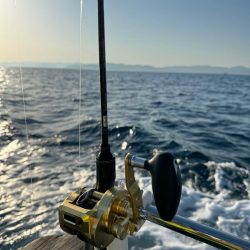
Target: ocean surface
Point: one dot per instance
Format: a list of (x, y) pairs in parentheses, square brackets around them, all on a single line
[(204, 120)]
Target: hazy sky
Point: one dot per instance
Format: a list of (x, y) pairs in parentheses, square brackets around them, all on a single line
[(150, 32)]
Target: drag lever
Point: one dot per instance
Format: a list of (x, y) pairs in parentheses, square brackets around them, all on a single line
[(166, 182)]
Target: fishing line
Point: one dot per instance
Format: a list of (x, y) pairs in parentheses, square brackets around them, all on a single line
[(80, 85), (24, 103), (20, 72)]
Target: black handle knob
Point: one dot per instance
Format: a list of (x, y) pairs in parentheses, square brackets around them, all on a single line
[(166, 183)]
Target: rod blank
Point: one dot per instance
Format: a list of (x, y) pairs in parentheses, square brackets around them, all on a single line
[(102, 67)]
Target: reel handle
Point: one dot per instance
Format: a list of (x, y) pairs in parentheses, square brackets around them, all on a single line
[(166, 182)]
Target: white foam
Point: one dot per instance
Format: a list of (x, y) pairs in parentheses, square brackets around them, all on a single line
[(225, 175)]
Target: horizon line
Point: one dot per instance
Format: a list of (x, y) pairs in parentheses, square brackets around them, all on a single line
[(123, 64)]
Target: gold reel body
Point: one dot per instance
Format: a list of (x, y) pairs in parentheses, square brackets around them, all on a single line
[(115, 213)]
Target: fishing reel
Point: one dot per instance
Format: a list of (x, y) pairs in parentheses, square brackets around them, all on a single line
[(98, 218)]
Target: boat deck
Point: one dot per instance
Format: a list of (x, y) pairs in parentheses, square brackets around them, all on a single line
[(56, 242)]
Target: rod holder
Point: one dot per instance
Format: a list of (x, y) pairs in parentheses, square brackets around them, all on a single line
[(197, 231)]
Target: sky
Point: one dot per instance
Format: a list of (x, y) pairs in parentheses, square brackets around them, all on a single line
[(144, 32)]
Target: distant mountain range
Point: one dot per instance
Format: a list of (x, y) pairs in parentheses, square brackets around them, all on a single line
[(200, 69)]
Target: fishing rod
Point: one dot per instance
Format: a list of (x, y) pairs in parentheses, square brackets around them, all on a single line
[(105, 161), (107, 212)]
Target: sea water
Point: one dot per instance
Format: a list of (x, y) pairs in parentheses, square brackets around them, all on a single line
[(204, 120)]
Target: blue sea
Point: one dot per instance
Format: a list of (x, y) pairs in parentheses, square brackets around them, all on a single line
[(204, 120)]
